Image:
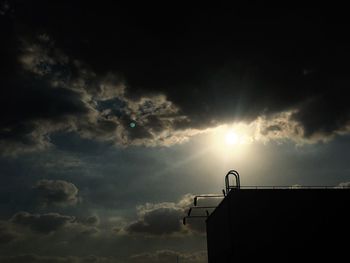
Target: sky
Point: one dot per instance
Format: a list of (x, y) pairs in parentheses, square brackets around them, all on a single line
[(114, 115)]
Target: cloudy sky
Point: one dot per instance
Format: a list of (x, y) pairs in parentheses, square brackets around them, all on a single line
[(114, 116)]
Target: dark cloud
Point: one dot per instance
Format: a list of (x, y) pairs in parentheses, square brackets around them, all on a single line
[(30, 110), (92, 220), (165, 219), (52, 93), (41, 223), (220, 64), (4, 8), (159, 221), (68, 226), (57, 192), (165, 256), (326, 113), (32, 258), (7, 234), (173, 80)]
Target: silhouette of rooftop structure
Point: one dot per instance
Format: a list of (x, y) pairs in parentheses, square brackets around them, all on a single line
[(276, 223)]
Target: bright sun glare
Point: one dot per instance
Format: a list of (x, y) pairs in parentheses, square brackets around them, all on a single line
[(231, 138), (232, 141)]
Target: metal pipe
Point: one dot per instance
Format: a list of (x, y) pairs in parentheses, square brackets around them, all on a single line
[(204, 196), (199, 207), (227, 181)]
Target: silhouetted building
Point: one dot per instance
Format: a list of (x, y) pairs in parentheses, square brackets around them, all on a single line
[(280, 225)]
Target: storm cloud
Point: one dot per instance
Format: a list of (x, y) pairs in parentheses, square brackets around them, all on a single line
[(7, 234), (165, 256), (32, 258), (54, 93), (227, 73), (165, 219), (158, 221), (92, 220), (56, 192), (41, 223)]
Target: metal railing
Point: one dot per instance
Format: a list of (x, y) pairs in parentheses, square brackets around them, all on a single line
[(292, 187), (228, 186), (237, 186)]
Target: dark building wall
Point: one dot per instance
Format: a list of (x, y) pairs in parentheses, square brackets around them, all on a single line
[(280, 225)]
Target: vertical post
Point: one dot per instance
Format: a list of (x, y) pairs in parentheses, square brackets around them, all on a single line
[(177, 259)]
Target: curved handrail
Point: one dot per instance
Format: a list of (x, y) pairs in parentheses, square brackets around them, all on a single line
[(228, 188), (227, 181)]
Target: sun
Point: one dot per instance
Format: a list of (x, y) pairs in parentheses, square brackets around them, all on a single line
[(231, 141), (232, 138)]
